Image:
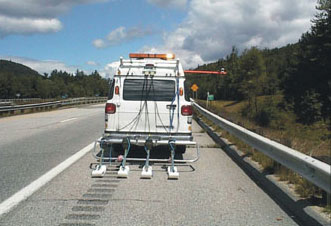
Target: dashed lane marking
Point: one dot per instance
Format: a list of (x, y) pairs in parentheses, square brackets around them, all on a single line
[(67, 120)]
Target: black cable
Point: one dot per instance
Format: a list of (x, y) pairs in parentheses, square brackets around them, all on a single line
[(156, 110), (141, 106), (134, 120), (146, 91)]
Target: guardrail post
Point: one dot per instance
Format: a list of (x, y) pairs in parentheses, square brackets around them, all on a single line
[(326, 199)]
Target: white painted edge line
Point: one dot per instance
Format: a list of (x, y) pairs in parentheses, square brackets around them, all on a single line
[(67, 120), (27, 191)]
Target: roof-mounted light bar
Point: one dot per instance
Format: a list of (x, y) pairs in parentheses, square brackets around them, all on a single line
[(165, 56)]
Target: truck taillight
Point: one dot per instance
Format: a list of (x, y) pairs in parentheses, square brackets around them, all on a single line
[(117, 90), (187, 110), (110, 108), (181, 91)]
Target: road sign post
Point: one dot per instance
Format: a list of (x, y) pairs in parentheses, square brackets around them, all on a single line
[(195, 88), (210, 97)]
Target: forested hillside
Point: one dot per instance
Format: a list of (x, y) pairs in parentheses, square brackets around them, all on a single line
[(299, 73), (20, 80)]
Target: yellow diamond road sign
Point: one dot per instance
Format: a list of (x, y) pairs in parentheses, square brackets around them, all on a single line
[(194, 87)]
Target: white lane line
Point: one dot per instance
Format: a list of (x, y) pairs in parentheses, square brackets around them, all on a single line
[(67, 120), (26, 192)]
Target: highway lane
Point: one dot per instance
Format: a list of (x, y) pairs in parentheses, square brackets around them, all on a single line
[(32, 144), (212, 191)]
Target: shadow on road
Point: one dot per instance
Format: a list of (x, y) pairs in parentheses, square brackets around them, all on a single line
[(158, 152)]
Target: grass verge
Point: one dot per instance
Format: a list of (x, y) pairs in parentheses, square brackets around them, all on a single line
[(291, 134)]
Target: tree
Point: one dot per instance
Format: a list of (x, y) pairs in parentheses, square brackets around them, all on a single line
[(233, 80), (308, 82), (253, 70)]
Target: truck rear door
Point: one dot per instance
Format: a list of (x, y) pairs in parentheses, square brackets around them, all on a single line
[(148, 105)]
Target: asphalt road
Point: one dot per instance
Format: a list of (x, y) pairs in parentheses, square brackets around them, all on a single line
[(212, 191), (32, 144)]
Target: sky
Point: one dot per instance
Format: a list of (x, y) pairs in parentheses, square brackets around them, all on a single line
[(92, 35)]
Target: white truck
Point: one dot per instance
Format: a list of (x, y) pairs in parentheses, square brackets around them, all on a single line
[(147, 107)]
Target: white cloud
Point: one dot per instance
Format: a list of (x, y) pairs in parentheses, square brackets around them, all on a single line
[(212, 27), (99, 43), (110, 69), (92, 63), (10, 25), (121, 35), (169, 3), (34, 16), (41, 66)]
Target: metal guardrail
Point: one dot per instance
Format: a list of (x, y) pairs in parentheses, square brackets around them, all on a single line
[(22, 100), (52, 104), (315, 171), (5, 103)]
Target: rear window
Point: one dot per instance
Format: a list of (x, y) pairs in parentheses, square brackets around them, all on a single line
[(148, 89)]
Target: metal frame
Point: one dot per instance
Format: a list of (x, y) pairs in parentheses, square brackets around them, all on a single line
[(110, 159), (315, 171), (140, 138)]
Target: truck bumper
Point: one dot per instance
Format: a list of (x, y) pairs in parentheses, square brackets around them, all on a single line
[(140, 138)]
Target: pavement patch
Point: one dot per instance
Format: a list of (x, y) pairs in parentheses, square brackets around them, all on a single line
[(101, 190), (88, 208), (107, 181), (103, 185), (97, 196), (96, 202), (77, 224), (82, 216)]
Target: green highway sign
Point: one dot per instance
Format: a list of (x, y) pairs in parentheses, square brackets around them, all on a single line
[(210, 97)]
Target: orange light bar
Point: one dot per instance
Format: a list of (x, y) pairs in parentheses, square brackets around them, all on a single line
[(165, 56)]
